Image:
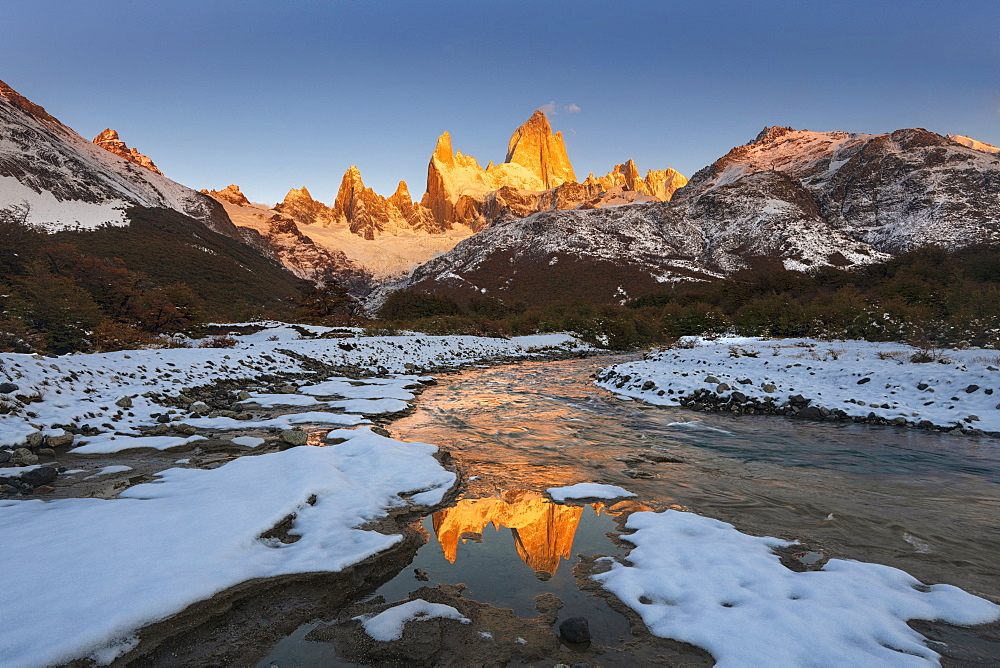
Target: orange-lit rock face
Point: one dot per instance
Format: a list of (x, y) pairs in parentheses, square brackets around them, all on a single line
[(534, 146), (109, 141), (543, 531)]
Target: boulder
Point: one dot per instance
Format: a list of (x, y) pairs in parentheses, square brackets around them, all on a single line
[(575, 629), (40, 476), (23, 457), (294, 437)]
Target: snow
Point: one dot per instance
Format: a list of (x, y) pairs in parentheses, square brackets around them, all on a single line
[(371, 406), (200, 534), (388, 624), (247, 441), (699, 580), (588, 490), (107, 470), (279, 422), (53, 214), (271, 400), (105, 444), (15, 471), (828, 373), (345, 388)]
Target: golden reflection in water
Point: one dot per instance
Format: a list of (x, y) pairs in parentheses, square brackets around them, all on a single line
[(543, 531)]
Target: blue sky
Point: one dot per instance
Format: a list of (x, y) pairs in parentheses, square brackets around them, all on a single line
[(276, 95)]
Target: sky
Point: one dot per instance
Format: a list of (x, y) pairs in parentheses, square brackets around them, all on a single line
[(276, 95)]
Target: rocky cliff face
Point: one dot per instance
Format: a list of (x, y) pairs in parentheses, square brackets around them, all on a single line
[(109, 141), (281, 239), (300, 206), (537, 176), (370, 215), (809, 199), (534, 146)]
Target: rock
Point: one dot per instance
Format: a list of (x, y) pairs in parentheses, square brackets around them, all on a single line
[(4, 456), (798, 400), (810, 413), (738, 397), (769, 387), (23, 457), (972, 418), (46, 452), (199, 407), (43, 475), (109, 141), (8, 388), (184, 428), (971, 388), (242, 395), (59, 440), (722, 387), (44, 489), (648, 385), (124, 402), (712, 380), (294, 437), (575, 629), (159, 430), (34, 439), (899, 421), (922, 386), (288, 389), (745, 381), (864, 380)]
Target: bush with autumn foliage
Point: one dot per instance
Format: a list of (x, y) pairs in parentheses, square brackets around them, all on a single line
[(54, 299)]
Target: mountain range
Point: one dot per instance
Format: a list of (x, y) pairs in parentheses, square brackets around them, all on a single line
[(525, 228)]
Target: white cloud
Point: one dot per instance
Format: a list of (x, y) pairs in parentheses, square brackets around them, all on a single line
[(572, 109), (549, 109)]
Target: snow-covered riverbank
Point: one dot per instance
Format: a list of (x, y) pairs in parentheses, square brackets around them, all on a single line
[(820, 380), (242, 503), (83, 389)]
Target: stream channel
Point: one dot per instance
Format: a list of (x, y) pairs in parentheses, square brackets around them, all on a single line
[(924, 502)]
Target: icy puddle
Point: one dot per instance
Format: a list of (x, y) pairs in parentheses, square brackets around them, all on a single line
[(507, 551)]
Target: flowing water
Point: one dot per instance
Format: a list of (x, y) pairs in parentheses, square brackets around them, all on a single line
[(924, 502)]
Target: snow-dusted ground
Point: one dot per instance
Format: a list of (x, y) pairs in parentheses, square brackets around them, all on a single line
[(83, 389), (856, 377), (701, 581), (92, 571)]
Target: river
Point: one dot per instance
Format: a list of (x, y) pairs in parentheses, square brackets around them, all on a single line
[(924, 502)]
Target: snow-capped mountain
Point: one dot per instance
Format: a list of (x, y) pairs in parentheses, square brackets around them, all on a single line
[(892, 191), (390, 236), (806, 198), (68, 182)]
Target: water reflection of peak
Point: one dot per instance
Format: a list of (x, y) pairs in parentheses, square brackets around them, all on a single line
[(543, 531)]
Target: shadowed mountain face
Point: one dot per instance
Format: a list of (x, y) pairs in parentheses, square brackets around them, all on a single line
[(807, 199)]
